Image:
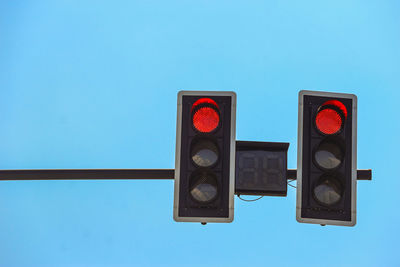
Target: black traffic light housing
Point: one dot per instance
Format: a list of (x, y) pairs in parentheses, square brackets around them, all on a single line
[(327, 158), (205, 156)]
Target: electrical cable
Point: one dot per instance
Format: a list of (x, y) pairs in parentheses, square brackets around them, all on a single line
[(288, 183), (250, 200)]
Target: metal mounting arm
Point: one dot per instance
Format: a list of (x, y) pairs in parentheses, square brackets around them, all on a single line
[(361, 174), (115, 174)]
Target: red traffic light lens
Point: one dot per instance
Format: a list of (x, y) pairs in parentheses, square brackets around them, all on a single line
[(205, 115), (328, 121), (205, 119), (337, 104)]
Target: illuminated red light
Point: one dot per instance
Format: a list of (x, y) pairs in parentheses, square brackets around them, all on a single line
[(328, 121), (205, 117), (337, 104)]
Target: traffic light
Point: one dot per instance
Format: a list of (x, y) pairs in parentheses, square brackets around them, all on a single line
[(205, 157), (327, 159)]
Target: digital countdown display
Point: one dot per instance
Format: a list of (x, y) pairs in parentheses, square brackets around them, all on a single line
[(261, 168)]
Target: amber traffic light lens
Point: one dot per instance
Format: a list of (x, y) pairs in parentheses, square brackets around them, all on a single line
[(204, 153), (328, 155)]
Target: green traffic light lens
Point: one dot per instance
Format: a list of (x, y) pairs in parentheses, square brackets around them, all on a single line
[(328, 191), (204, 187)]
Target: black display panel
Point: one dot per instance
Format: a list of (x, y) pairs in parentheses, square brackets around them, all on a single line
[(261, 168)]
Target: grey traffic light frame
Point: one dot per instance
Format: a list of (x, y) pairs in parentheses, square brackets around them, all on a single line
[(299, 177)]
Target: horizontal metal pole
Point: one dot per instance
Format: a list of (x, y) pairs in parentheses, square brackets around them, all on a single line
[(115, 174), (86, 174), (361, 174), (364, 175)]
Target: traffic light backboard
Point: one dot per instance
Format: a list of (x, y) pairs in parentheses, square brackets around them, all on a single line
[(205, 156), (327, 158)]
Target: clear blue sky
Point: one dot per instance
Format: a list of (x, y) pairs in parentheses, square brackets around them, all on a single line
[(93, 84)]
